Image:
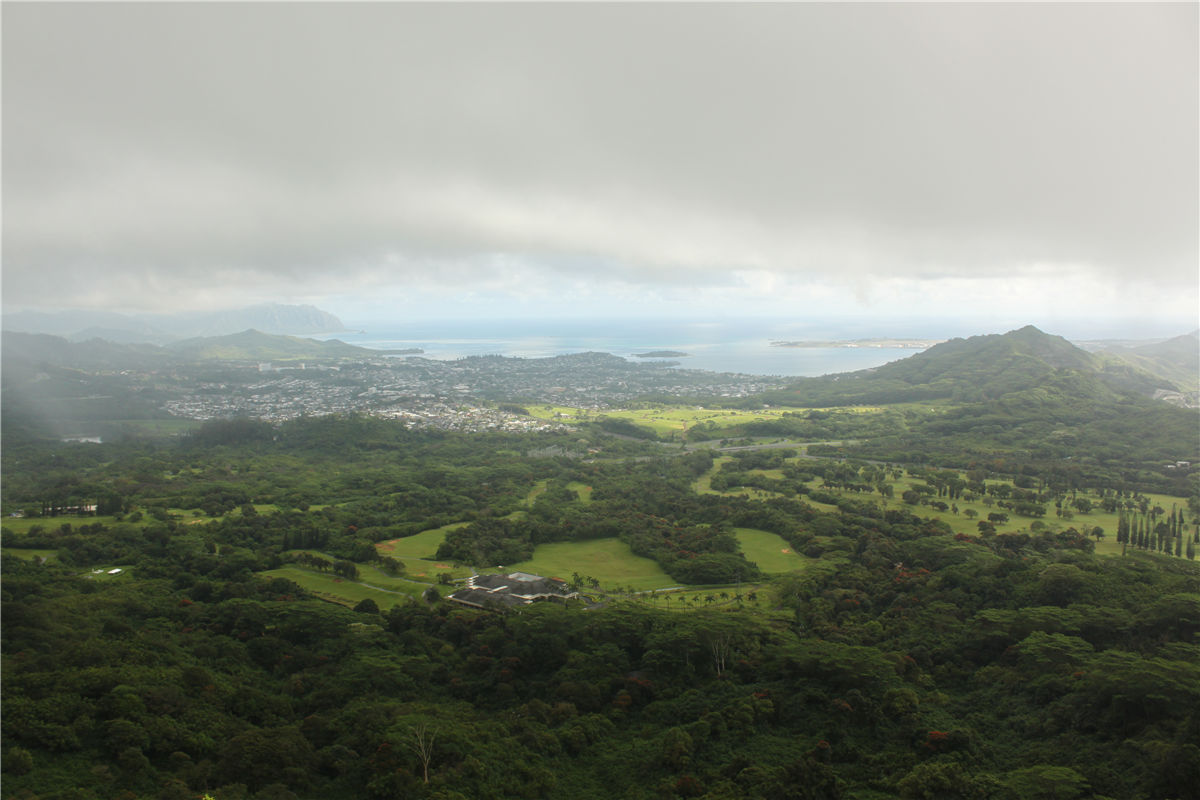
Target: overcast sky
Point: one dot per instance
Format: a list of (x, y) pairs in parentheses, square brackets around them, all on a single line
[(1010, 162)]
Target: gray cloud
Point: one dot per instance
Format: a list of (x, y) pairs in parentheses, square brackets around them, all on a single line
[(149, 148)]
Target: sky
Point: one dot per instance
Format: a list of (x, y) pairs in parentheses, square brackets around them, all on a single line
[(1002, 163)]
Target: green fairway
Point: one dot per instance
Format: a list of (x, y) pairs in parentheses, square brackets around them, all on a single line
[(18, 552), (538, 488), (966, 521), (421, 545), (24, 524), (703, 484), (666, 421), (349, 593), (769, 551), (583, 490), (156, 427), (609, 561)]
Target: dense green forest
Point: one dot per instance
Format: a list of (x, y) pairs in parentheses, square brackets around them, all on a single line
[(908, 662), (969, 574)]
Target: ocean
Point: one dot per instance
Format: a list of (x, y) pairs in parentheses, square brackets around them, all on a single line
[(742, 346)]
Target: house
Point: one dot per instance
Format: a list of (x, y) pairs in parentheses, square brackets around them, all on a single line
[(508, 591)]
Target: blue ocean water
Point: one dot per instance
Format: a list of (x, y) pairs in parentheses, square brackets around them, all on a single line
[(742, 346)]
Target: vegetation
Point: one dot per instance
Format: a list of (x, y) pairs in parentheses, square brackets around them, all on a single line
[(257, 610)]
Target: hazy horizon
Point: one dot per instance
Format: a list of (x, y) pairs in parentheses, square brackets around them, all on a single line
[(878, 167)]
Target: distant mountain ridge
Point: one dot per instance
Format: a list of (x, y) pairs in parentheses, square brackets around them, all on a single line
[(255, 345), (986, 368), (32, 351), (1177, 359), (162, 329)]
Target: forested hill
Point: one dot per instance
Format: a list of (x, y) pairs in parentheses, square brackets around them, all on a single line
[(37, 351), (254, 345), (81, 325), (983, 368), (1022, 395), (44, 350), (1177, 359)]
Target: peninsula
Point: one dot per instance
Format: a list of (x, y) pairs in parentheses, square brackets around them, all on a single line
[(914, 344), (661, 354)]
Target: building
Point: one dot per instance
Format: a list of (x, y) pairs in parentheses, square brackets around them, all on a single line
[(508, 591)]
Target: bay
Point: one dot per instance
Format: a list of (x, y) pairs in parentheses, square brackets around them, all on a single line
[(741, 346)]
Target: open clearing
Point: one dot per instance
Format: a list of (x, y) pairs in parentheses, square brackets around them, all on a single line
[(583, 490), (609, 561), (421, 545), (538, 488), (769, 551), (349, 593), (665, 420), (18, 552)]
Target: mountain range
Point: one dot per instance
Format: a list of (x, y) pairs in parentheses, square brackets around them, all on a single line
[(162, 329)]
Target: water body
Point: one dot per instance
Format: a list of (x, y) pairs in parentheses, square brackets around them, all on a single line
[(728, 346)]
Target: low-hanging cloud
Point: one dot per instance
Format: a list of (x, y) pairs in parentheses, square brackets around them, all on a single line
[(150, 149)]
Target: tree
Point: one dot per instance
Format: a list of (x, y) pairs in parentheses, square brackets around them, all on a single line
[(422, 744), (367, 606)]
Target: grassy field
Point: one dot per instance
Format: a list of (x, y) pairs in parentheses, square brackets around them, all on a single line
[(350, 593), (609, 561), (703, 484), (965, 524), (772, 554), (17, 552), (672, 421), (664, 420), (583, 490), (23, 524), (753, 596), (961, 522), (422, 545), (538, 488), (158, 427)]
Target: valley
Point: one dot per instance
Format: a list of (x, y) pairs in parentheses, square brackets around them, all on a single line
[(889, 585)]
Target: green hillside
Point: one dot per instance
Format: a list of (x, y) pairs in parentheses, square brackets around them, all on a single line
[(255, 345)]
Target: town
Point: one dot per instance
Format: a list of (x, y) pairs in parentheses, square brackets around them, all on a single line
[(448, 395)]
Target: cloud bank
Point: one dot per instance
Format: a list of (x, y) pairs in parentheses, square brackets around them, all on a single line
[(239, 152)]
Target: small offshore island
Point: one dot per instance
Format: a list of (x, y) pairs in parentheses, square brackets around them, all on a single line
[(914, 344), (661, 354)]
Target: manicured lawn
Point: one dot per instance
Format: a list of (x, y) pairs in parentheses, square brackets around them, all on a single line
[(610, 561), (421, 545), (769, 551), (703, 484), (348, 593), (962, 523)]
